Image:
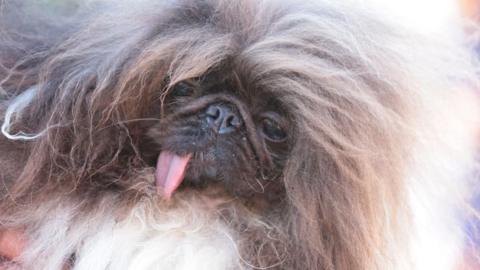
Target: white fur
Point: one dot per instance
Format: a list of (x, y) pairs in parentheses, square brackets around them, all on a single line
[(15, 108), (187, 236)]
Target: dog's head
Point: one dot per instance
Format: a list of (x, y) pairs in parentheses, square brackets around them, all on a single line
[(221, 128), (304, 104)]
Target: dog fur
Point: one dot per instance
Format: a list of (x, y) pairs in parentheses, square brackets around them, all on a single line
[(379, 175)]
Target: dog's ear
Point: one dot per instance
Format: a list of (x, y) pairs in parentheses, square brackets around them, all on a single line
[(344, 199)]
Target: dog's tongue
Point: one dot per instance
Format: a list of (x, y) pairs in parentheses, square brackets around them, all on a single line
[(170, 172)]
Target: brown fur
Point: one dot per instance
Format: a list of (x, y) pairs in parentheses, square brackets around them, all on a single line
[(98, 87)]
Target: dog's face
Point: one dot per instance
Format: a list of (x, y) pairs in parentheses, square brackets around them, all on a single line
[(217, 129)]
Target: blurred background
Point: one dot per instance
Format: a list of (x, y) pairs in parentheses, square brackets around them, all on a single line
[(428, 15)]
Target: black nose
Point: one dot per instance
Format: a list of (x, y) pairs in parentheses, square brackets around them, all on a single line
[(222, 118)]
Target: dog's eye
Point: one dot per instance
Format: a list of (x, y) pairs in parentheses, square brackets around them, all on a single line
[(273, 131), (182, 89)]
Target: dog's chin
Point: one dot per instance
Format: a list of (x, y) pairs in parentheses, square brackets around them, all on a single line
[(198, 168), (208, 184), (203, 169)]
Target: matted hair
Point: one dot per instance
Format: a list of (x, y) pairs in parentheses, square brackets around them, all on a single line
[(361, 90)]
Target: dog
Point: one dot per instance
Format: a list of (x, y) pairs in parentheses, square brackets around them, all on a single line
[(215, 134)]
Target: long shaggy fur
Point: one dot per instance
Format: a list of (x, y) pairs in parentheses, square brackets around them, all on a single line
[(378, 175)]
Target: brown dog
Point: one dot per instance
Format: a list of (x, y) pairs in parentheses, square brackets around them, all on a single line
[(217, 134)]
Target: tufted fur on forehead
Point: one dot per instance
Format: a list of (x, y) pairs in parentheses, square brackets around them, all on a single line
[(355, 84)]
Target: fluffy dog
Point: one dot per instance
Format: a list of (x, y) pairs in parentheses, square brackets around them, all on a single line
[(215, 134)]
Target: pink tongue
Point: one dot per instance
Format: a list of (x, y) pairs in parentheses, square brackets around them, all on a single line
[(170, 172)]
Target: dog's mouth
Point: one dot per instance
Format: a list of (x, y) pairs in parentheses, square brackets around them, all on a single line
[(170, 172), (194, 169)]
